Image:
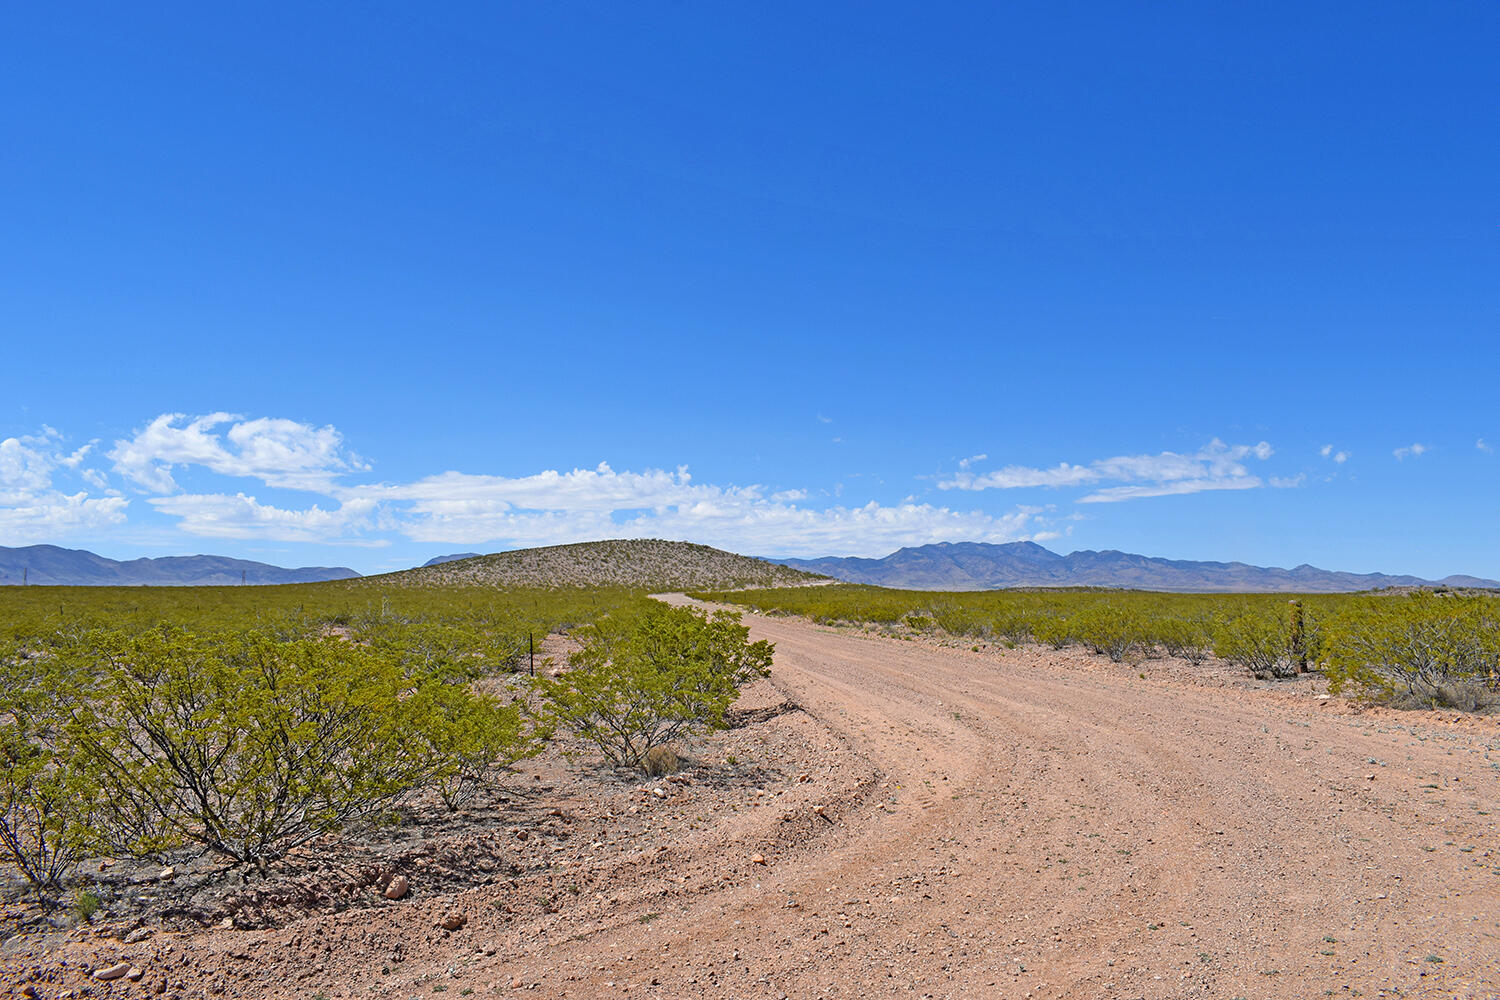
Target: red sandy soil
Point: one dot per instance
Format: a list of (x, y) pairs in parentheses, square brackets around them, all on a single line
[(938, 822)]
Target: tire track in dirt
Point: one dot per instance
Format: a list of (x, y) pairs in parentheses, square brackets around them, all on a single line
[(1049, 829)]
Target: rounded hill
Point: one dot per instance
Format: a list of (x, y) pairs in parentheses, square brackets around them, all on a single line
[(649, 564)]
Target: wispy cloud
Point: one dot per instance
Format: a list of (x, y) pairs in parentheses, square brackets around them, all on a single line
[(1485, 446), (1338, 457), (219, 515), (1216, 466), (1410, 451), (964, 463)]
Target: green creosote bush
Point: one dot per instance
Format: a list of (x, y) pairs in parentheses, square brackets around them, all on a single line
[(461, 738), (1424, 649), (237, 743), (1257, 641), (1189, 639), (47, 803), (641, 682), (1055, 631), (1108, 630), (249, 747)]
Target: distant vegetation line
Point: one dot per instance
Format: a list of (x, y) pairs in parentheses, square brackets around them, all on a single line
[(1416, 648)]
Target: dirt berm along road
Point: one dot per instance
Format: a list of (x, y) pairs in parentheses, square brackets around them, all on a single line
[(940, 822)]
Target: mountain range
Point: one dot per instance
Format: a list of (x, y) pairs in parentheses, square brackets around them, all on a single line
[(49, 565), (942, 566), (983, 566)]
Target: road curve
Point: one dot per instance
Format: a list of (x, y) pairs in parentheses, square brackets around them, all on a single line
[(1051, 825)]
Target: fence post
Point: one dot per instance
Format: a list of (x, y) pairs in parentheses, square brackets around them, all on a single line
[(1298, 641)]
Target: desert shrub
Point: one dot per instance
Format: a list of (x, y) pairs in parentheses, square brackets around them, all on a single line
[(1422, 649), (46, 802), (1257, 641), (1188, 639), (1014, 628), (1109, 630), (1053, 630), (244, 746), (959, 619), (459, 738), (644, 681)]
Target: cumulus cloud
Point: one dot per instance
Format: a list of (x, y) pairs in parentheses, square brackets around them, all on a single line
[(1485, 446), (1338, 457), (26, 466), (56, 515), (1410, 451), (964, 463), (32, 507), (1216, 466), (279, 452)]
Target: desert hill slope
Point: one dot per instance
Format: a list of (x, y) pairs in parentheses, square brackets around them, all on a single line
[(49, 565), (644, 563), (983, 566)]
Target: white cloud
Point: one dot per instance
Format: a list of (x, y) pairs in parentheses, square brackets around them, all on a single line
[(964, 463), (552, 506), (1019, 476), (218, 515), (1216, 466), (32, 508), (1115, 494), (26, 466), (1339, 457), (1485, 446), (279, 452), (55, 515), (1410, 451)]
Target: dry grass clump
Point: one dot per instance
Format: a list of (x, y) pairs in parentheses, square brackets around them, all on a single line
[(662, 760)]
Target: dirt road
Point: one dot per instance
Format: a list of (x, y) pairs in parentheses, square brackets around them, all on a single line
[(1004, 823), (1053, 826)]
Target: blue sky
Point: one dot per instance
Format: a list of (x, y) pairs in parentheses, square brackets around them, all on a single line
[(363, 284)]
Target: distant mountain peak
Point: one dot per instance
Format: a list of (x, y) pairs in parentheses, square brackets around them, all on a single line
[(455, 557)]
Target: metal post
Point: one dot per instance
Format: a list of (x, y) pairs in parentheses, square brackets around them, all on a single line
[(531, 653), (1298, 640)]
